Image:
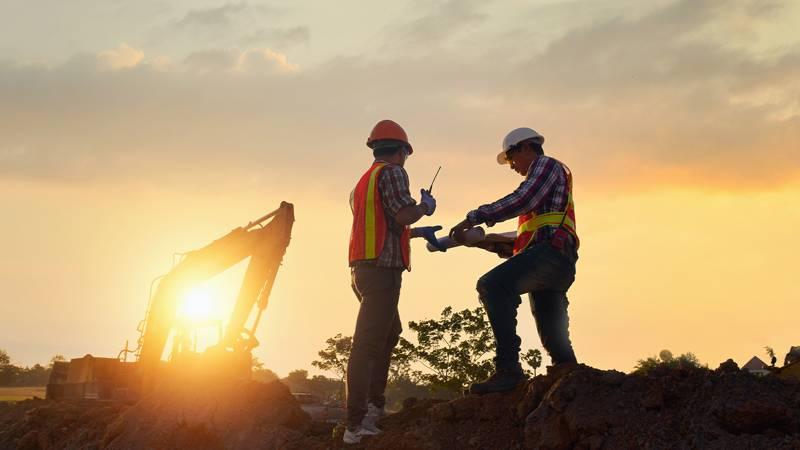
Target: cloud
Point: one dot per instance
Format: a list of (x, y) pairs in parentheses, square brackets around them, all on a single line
[(439, 25), (220, 16), (277, 37), (213, 60), (230, 25), (122, 57), (265, 60), (662, 90), (253, 61), (655, 98)]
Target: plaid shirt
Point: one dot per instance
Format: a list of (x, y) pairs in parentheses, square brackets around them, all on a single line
[(544, 190), (394, 188)]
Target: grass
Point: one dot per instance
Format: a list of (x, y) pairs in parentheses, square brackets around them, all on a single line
[(15, 394)]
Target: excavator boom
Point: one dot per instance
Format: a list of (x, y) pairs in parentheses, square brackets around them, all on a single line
[(263, 242)]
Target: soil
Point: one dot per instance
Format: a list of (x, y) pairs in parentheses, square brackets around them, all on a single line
[(570, 407)]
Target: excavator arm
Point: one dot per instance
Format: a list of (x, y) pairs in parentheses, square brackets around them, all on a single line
[(265, 244)]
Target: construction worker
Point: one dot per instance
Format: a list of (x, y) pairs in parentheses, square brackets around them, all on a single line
[(382, 209), (543, 262)]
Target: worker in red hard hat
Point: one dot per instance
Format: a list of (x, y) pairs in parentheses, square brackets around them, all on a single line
[(383, 211), (541, 259)]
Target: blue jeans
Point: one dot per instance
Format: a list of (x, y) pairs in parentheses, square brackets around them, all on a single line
[(545, 274)]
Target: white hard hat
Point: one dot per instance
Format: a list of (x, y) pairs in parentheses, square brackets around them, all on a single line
[(516, 136)]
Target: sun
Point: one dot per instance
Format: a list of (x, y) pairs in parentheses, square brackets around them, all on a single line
[(197, 305)]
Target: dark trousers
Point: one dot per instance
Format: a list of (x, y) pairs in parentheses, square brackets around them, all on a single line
[(545, 274), (377, 332)]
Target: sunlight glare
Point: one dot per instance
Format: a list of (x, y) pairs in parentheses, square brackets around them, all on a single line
[(196, 305)]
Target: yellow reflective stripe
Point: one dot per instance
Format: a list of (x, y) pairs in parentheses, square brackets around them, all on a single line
[(369, 217), (548, 219)]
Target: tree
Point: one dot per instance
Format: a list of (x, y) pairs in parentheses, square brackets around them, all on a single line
[(297, 376), (261, 373), (328, 389), (453, 349), (5, 360), (335, 355), (533, 358), (297, 380), (55, 359), (771, 354), (665, 360)]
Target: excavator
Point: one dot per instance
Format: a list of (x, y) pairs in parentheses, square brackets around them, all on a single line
[(117, 378)]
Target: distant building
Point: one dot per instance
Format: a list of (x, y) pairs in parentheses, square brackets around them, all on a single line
[(756, 366)]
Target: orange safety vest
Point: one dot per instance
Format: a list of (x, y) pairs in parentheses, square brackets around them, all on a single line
[(530, 223), (369, 222)]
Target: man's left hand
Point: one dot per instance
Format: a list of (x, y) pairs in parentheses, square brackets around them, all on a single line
[(429, 234)]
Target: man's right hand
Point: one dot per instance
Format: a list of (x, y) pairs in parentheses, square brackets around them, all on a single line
[(457, 232)]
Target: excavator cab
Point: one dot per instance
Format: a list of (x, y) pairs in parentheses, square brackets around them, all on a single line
[(264, 243)]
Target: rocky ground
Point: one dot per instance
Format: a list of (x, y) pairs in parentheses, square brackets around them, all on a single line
[(578, 407)]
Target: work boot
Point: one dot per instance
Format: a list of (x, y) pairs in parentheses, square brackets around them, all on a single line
[(502, 380), (370, 420), (354, 435)]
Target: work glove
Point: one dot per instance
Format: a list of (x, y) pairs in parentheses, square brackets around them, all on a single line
[(429, 234), (457, 232), (428, 200)]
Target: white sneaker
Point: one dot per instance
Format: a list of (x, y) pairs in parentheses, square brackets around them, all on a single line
[(354, 436), (370, 420)]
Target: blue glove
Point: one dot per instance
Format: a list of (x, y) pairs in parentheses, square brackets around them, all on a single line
[(429, 233), (428, 200)]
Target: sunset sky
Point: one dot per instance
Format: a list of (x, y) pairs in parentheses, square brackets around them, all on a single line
[(131, 130)]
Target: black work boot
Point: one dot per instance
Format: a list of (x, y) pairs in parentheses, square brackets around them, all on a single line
[(502, 380)]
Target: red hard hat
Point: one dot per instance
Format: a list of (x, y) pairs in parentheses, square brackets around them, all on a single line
[(388, 129)]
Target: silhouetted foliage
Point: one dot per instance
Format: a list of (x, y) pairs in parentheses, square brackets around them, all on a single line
[(771, 354), (55, 359), (12, 375), (299, 376), (665, 360), (261, 373), (444, 357), (453, 349), (533, 358), (334, 356)]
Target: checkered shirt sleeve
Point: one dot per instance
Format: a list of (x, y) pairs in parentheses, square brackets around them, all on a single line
[(544, 190)]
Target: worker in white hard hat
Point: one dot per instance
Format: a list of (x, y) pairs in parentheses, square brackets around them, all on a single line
[(541, 260)]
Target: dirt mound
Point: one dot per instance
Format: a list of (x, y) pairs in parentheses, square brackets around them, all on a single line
[(40, 424), (572, 407), (582, 407), (208, 416), (176, 416)]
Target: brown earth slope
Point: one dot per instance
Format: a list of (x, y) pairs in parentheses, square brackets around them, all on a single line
[(577, 407)]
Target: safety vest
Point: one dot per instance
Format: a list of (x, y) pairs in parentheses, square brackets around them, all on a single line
[(369, 222), (530, 223)]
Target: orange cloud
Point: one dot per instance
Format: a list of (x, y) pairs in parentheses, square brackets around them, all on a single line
[(122, 57)]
